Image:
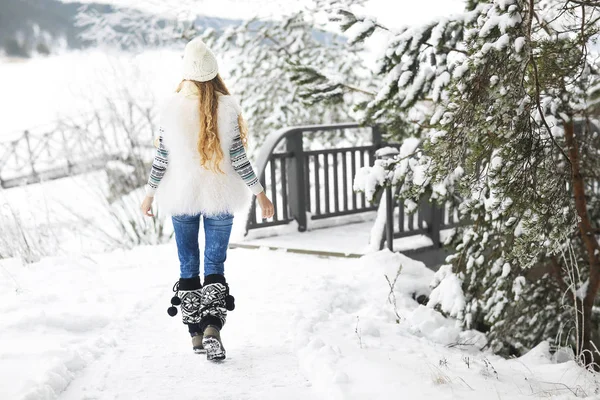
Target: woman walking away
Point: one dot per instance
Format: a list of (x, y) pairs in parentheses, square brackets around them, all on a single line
[(201, 171)]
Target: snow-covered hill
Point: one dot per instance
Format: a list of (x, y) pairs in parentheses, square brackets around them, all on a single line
[(96, 327), (39, 27)]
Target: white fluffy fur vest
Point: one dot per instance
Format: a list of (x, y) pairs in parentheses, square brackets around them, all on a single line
[(187, 187)]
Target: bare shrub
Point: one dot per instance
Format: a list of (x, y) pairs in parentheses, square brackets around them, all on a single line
[(28, 242)]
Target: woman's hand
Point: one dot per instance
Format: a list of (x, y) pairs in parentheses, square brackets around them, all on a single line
[(265, 205), (146, 206)]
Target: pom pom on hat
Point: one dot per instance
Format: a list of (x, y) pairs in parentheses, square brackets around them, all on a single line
[(199, 63)]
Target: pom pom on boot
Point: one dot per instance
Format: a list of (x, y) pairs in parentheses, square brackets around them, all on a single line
[(188, 297)]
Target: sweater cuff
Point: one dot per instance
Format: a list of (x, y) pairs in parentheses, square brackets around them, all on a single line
[(257, 189), (150, 191)]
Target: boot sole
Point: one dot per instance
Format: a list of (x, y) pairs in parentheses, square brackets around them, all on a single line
[(214, 349), (199, 351)]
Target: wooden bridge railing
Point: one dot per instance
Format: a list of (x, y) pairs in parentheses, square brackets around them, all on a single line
[(429, 219), (68, 148), (309, 185)]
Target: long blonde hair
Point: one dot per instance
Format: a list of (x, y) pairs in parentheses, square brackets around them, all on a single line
[(209, 144)]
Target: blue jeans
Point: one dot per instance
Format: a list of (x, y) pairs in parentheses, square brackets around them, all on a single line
[(217, 230)]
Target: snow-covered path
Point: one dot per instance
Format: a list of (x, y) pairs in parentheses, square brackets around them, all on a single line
[(304, 327), (154, 360), (114, 339)]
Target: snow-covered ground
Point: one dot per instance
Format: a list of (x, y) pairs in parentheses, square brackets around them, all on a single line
[(348, 235), (96, 327), (92, 325)]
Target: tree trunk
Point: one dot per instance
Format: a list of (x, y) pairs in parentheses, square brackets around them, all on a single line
[(585, 349)]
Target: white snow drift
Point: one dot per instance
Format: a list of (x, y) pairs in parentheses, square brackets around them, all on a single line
[(304, 327)]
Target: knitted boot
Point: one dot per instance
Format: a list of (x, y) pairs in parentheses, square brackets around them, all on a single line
[(215, 303), (188, 296)]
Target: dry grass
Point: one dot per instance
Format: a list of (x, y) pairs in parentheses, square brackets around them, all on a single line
[(392, 295), (438, 377)]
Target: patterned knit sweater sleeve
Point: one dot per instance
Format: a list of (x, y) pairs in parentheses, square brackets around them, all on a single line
[(239, 158), (159, 165), (241, 165)]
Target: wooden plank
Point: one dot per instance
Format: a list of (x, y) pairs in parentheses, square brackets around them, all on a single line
[(326, 179), (318, 253), (336, 186), (317, 186), (284, 188), (345, 180), (347, 212), (353, 169), (330, 151), (274, 189), (363, 197), (307, 181)]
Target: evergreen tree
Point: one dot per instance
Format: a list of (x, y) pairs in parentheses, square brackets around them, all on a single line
[(267, 61), (507, 100), (272, 60)]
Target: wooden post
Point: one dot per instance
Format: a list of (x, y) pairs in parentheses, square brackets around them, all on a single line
[(30, 152), (432, 214), (376, 137), (389, 202), (67, 152), (434, 225), (296, 179)]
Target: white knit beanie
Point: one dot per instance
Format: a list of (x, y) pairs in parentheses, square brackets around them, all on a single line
[(199, 63)]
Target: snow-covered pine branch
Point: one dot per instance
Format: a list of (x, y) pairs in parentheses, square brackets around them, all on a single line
[(506, 98), (290, 72)]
